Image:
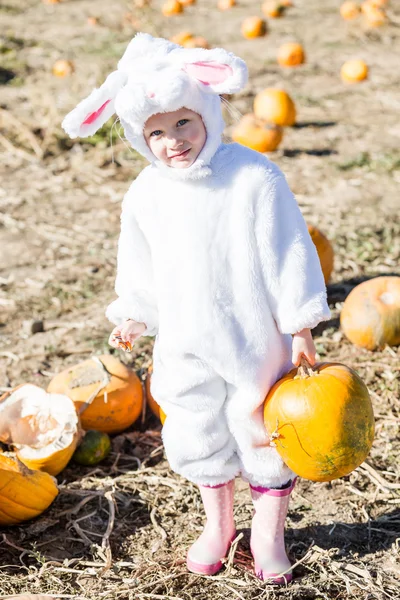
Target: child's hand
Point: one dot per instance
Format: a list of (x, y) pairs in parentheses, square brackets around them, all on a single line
[(303, 345), (124, 335)]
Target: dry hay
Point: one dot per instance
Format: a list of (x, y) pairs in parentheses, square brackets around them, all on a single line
[(121, 530)]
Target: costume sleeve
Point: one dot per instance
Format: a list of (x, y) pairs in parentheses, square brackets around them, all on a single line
[(291, 268), (134, 282)]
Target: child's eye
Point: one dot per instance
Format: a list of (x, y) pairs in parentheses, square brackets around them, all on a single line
[(156, 132), (182, 122)]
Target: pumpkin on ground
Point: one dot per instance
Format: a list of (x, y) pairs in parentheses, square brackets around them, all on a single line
[(353, 71), (275, 106), (324, 249), (63, 68), (107, 394), (321, 420), (181, 38), (374, 15), (24, 494), (257, 134), (42, 428), (349, 10), (370, 316), (94, 447), (253, 27), (171, 7), (291, 54), (196, 41), (226, 4), (273, 9), (154, 407)]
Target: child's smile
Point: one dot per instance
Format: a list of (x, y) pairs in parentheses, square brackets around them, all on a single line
[(176, 138)]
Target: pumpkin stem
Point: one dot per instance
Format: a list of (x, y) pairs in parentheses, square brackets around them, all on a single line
[(305, 369)]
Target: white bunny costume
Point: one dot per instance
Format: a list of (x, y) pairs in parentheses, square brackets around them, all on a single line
[(216, 259)]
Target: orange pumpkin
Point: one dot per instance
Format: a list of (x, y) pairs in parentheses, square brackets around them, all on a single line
[(107, 394), (349, 10), (171, 7), (374, 15), (42, 428), (273, 9), (187, 2), (321, 420), (370, 315), (24, 494), (253, 27), (154, 407), (181, 38), (257, 134), (93, 21), (226, 4), (353, 71), (275, 106), (196, 41), (324, 249), (291, 54), (63, 68)]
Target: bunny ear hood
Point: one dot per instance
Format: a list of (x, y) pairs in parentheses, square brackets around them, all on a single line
[(155, 76)]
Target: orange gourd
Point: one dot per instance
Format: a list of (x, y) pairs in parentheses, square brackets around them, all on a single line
[(196, 41), (172, 7), (324, 249), (253, 27), (374, 16), (181, 38), (154, 407), (349, 10), (107, 394), (370, 316), (257, 134), (63, 68), (42, 428), (291, 54), (275, 106), (273, 9), (354, 71), (226, 4), (321, 420), (24, 494)]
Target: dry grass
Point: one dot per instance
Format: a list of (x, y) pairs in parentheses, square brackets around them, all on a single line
[(121, 530)]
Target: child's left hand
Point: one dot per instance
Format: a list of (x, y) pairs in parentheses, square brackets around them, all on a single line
[(303, 345)]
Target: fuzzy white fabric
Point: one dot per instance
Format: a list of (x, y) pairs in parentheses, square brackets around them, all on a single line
[(222, 270), (157, 76), (215, 259)]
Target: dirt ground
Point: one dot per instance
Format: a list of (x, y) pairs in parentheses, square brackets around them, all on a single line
[(120, 530)]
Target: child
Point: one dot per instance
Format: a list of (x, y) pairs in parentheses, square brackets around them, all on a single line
[(215, 260)]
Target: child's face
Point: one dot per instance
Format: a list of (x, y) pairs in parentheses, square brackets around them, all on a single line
[(176, 138)]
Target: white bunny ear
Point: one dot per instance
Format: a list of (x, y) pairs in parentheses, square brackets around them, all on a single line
[(220, 71), (92, 112)]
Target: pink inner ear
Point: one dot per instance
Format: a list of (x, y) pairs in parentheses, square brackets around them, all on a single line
[(209, 73), (91, 117)]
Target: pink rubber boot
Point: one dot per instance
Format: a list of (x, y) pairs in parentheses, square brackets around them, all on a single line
[(204, 557), (267, 541)]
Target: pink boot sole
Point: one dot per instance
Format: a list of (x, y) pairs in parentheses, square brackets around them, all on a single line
[(201, 569), (273, 578)]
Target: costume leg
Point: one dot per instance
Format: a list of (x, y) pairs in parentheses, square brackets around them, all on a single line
[(261, 465), (267, 533), (197, 441), (205, 555)]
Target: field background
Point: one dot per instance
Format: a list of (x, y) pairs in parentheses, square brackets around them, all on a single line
[(120, 530)]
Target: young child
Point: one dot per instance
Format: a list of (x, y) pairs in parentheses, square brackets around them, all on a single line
[(215, 261)]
